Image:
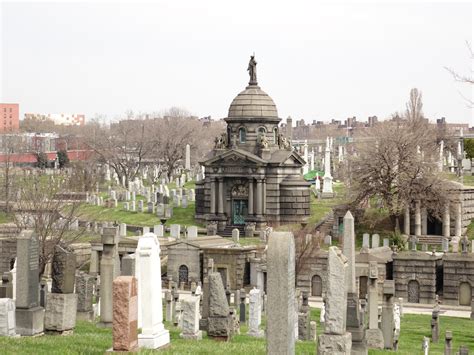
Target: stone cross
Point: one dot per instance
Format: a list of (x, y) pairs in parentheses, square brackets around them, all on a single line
[(374, 334), (281, 293)]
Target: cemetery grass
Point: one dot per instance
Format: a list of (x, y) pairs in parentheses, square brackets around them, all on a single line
[(5, 217), (183, 216), (88, 339)]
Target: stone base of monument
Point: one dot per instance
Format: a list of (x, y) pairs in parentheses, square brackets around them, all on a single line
[(219, 328), (334, 344), (61, 333), (327, 195), (87, 316), (374, 338), (154, 341), (196, 336), (60, 313), (29, 321)]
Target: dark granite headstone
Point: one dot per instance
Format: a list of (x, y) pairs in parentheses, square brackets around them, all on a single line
[(64, 270), (27, 282)]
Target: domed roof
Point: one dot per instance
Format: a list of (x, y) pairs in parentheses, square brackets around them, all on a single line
[(253, 102)]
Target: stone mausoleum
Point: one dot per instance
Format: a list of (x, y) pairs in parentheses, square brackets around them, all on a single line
[(252, 176)]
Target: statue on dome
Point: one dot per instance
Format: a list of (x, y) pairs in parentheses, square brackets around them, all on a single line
[(283, 142), (252, 69), (220, 142), (263, 142)]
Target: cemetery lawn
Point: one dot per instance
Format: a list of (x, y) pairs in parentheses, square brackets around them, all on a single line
[(183, 216), (88, 339), (5, 217)]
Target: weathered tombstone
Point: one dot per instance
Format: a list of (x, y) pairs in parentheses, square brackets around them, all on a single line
[(29, 315), (123, 229), (374, 335), (126, 206), (445, 245), (128, 265), (375, 240), (192, 232), (7, 317), (150, 207), (328, 239), (313, 332), (190, 329), (396, 321), (435, 324), (220, 322), (242, 308), (146, 230), (133, 207), (108, 271), (168, 211), (304, 318), (184, 201), (175, 231), (255, 313), (425, 346), (140, 206), (335, 338), (424, 247), (386, 242), (64, 270), (235, 235), (153, 335), (84, 290), (448, 340), (211, 228), (281, 293), (125, 315), (160, 210), (366, 240), (387, 314), (169, 306)]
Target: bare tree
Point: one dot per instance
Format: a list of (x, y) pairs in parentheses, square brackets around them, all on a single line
[(10, 145), (397, 162), (469, 79), (42, 206)]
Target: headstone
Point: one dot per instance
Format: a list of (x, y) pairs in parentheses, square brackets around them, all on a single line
[(328, 240), (425, 346), (304, 318), (64, 270), (150, 207), (386, 242), (108, 271), (374, 335), (146, 230), (126, 206), (128, 265), (140, 206), (235, 235), (7, 317), (123, 229), (60, 314), (435, 324), (335, 338), (190, 329), (281, 293), (125, 316), (175, 231), (169, 306), (184, 201), (255, 313), (242, 307), (220, 322), (313, 332), (29, 315), (85, 292), (445, 245), (192, 232), (375, 240), (366, 240), (160, 210), (153, 335), (448, 342), (159, 230)]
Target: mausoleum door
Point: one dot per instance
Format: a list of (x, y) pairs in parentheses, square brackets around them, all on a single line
[(413, 292), (239, 211), (316, 286), (465, 294), (183, 274)]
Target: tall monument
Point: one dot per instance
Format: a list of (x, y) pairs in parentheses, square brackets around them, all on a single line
[(327, 185)]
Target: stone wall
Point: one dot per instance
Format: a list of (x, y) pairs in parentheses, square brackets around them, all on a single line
[(457, 268), (416, 266)]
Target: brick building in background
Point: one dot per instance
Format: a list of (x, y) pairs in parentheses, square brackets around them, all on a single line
[(9, 118)]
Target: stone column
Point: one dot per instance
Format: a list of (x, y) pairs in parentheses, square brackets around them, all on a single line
[(213, 196), (387, 313), (458, 223), (93, 267), (424, 221), (446, 221), (220, 200), (250, 206), (259, 197), (406, 222), (417, 219), (374, 334), (264, 197)]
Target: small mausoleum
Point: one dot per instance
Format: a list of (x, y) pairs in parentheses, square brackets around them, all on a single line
[(252, 177)]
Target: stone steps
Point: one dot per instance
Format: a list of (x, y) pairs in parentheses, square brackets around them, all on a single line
[(228, 230)]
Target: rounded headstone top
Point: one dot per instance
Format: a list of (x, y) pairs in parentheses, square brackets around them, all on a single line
[(253, 102)]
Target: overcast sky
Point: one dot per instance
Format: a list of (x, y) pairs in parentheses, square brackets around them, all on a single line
[(317, 61)]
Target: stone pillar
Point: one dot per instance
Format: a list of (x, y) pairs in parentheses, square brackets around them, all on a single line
[(435, 324), (251, 202), (424, 221), (417, 219), (387, 313), (93, 267), (220, 200), (213, 196), (190, 308), (281, 293), (125, 314), (448, 339), (259, 197), (374, 334), (335, 338), (154, 335), (446, 221), (264, 197), (458, 223), (406, 221)]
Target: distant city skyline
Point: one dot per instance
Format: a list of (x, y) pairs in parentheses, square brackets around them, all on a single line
[(317, 61)]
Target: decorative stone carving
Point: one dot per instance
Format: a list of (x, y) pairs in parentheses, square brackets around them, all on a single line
[(240, 191), (220, 142)]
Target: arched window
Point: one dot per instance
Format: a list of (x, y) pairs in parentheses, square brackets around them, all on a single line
[(465, 294), (275, 135), (316, 286), (242, 135), (262, 130), (183, 274), (413, 291)]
